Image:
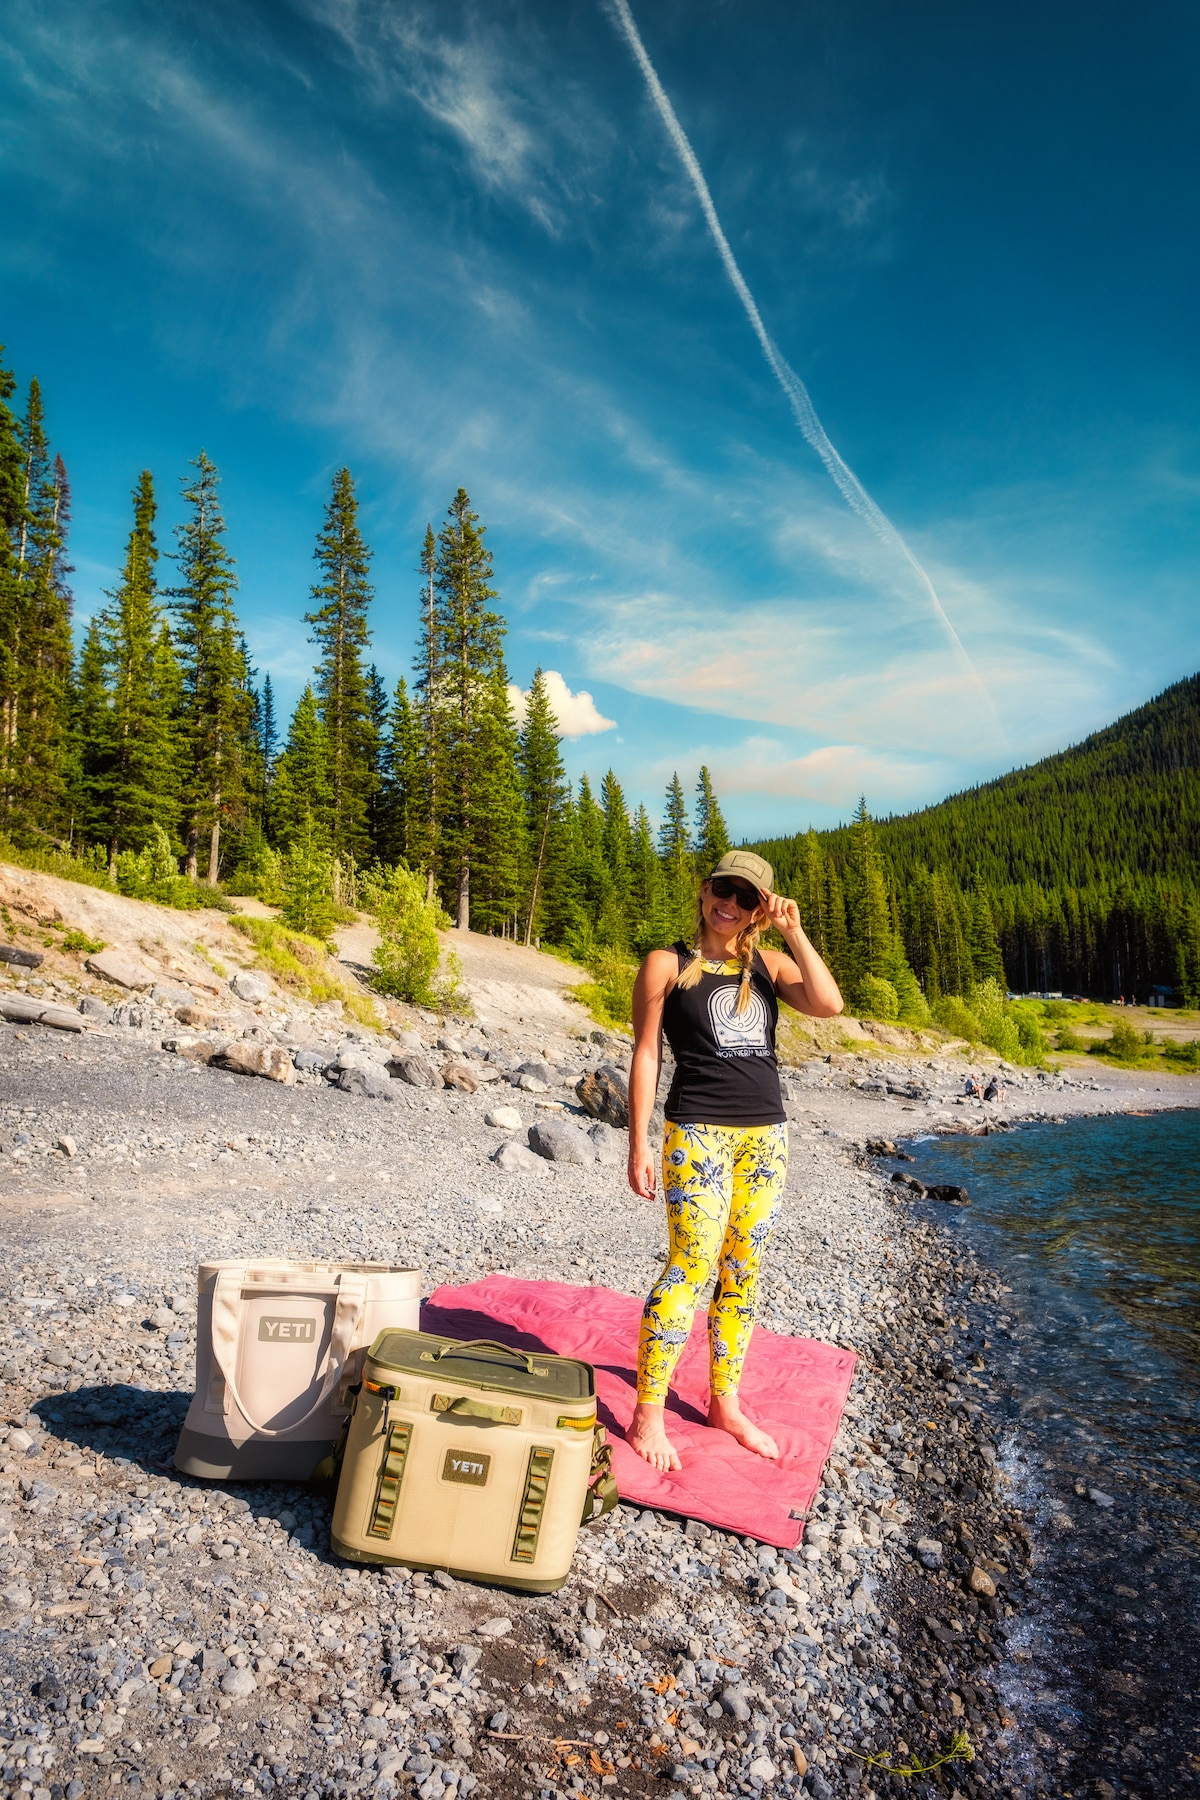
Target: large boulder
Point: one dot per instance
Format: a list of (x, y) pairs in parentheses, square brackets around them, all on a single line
[(310, 1061), (461, 1076), (370, 1083), (561, 1140), (270, 1061), (200, 1050), (612, 1146), (197, 1016), (604, 1094), (417, 1070), (504, 1118), (253, 989), (516, 1159), (122, 970)]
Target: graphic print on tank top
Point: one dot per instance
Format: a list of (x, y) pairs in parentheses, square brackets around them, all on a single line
[(738, 1033)]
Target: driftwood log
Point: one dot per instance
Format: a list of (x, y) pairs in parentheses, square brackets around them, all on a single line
[(24, 959)]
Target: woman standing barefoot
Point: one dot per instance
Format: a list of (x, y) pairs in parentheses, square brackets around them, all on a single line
[(725, 1143)]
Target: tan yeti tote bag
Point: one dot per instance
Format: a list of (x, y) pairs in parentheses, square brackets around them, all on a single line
[(277, 1345)]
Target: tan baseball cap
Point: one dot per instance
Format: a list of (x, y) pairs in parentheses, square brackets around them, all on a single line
[(747, 867)]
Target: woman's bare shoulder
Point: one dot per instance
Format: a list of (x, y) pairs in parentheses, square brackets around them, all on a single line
[(657, 965)]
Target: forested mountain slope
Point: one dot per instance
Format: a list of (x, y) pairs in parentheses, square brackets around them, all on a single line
[(1089, 860)]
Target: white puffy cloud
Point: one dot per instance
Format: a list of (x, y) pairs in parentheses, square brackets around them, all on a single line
[(577, 714)]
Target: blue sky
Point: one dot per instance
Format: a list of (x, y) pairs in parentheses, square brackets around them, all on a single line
[(455, 244)]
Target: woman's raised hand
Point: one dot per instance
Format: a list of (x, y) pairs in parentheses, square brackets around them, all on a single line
[(782, 913), (641, 1172)]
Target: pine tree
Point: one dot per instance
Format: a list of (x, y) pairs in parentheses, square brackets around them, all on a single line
[(340, 630), (216, 705), (616, 847), (37, 637), (544, 786), (11, 511), (141, 780), (307, 895), (377, 713), (651, 921), (302, 800), (675, 849), (473, 739), (712, 835), (91, 738), (868, 916), (403, 783), (425, 806)]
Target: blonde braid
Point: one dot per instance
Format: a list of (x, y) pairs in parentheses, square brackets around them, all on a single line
[(690, 974), (747, 944)]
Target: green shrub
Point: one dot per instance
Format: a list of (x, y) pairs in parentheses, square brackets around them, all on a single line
[(873, 997), (408, 953), (1184, 1056), (79, 940), (1125, 1044), (1066, 1039), (952, 1013), (609, 994), (260, 874)]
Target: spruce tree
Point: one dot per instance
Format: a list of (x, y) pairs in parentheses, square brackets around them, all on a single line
[(216, 709), (91, 739), (868, 916), (712, 835), (544, 787), (616, 846), (652, 924), (404, 784), (474, 744), (307, 894), (37, 633), (343, 597), (302, 800), (141, 780), (675, 849), (377, 713), (424, 805), (11, 509)]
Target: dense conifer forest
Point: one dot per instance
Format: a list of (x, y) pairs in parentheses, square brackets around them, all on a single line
[(151, 758), (1087, 865)]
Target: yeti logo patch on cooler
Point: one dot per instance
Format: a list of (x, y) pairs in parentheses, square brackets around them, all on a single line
[(467, 1466), (286, 1331)]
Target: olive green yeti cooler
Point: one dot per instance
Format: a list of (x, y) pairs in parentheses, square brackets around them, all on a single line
[(474, 1458)]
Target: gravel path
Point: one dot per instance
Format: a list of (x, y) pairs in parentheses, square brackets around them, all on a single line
[(189, 1639)]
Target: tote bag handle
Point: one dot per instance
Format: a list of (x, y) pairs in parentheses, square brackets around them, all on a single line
[(350, 1294)]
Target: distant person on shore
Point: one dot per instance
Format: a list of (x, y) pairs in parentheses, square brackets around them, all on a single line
[(995, 1089), (725, 1142), (973, 1088)]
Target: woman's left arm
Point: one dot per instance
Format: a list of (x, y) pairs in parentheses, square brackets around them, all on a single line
[(802, 978)]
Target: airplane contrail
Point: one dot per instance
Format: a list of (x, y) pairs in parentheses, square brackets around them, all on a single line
[(847, 482)]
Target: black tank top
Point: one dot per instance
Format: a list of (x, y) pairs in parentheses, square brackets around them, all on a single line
[(725, 1068)]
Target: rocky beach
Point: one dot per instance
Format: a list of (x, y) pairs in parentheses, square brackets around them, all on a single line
[(173, 1637)]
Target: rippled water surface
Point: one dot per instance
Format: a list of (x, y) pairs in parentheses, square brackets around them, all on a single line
[(1094, 1369)]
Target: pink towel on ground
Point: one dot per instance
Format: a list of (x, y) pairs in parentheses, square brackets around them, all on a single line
[(794, 1387)]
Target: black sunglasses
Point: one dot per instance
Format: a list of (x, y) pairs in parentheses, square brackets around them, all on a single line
[(723, 888)]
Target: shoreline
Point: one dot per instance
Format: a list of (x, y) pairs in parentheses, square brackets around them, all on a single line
[(721, 1658)]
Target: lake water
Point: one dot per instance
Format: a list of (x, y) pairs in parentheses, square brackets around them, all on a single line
[(1094, 1366)]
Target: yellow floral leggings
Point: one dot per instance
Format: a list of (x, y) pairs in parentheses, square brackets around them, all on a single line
[(723, 1187)]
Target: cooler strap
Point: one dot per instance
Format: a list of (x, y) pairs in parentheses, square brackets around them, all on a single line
[(387, 1487), (601, 1495), (533, 1505)]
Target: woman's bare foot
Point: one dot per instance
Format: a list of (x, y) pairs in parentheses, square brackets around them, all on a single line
[(647, 1435), (727, 1415)]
